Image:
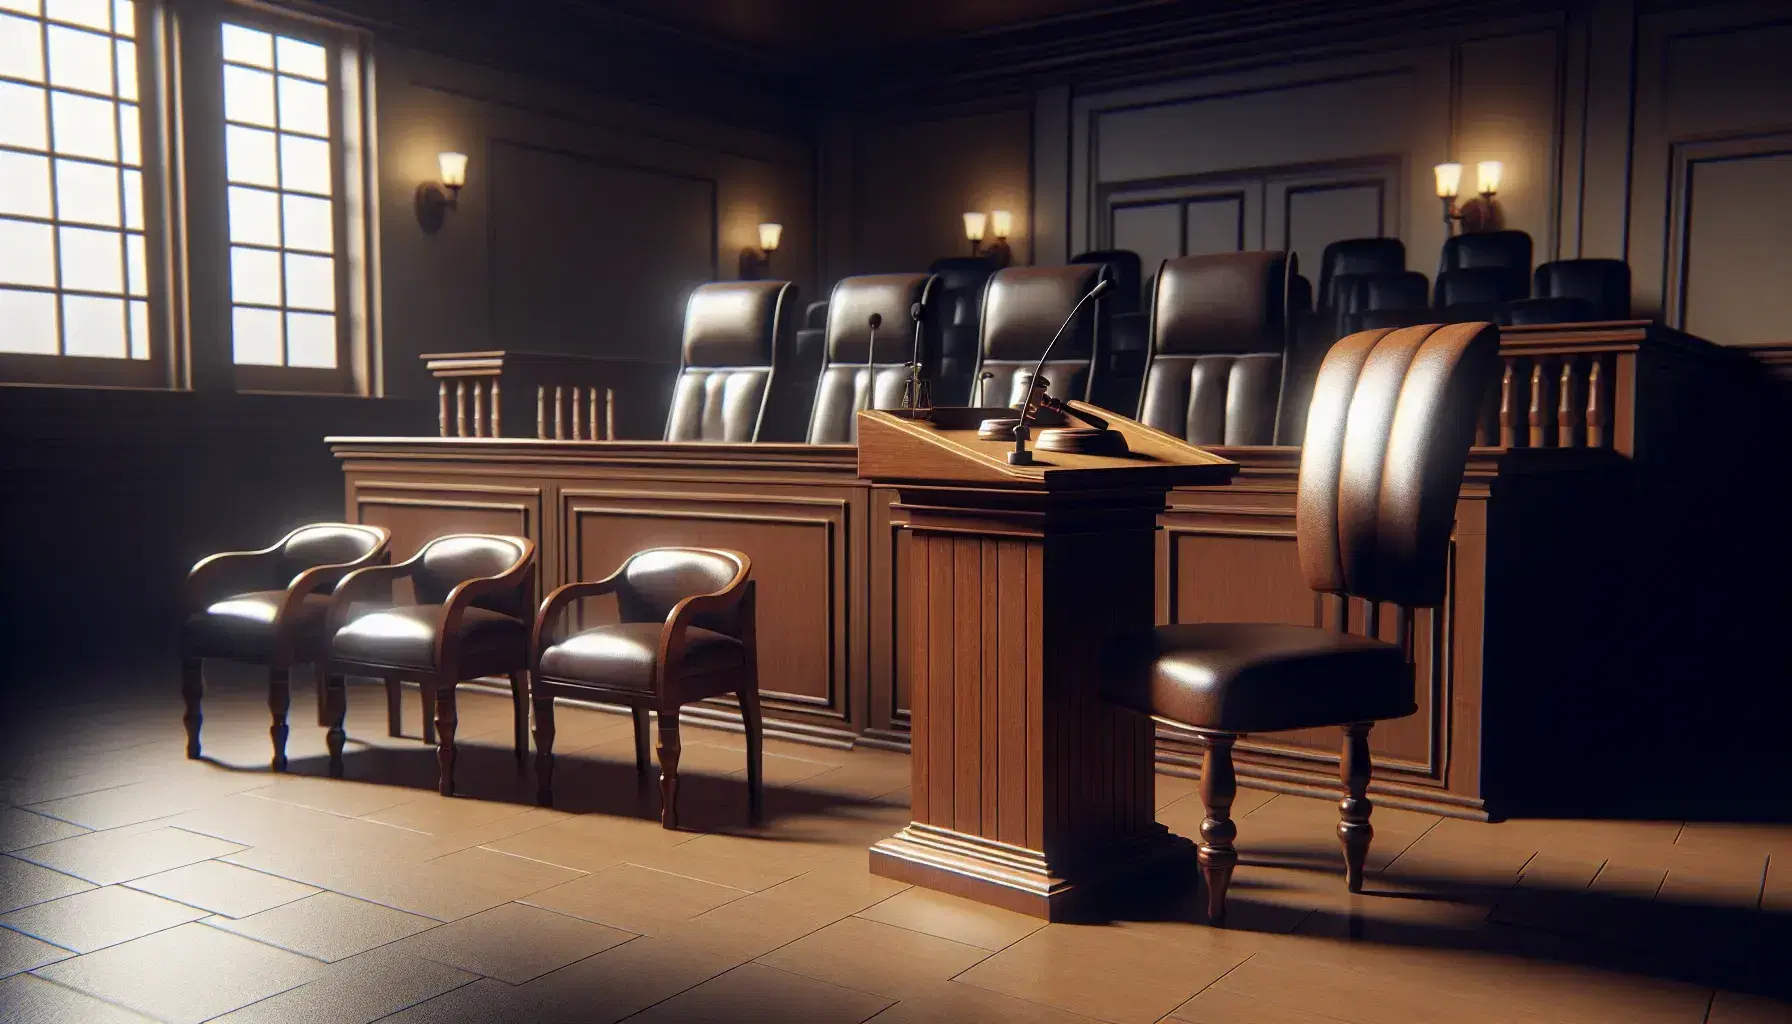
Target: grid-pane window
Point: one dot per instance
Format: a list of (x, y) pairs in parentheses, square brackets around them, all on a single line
[(280, 162), (74, 278)]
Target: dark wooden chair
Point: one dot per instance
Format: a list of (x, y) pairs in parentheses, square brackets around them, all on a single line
[(686, 633), (269, 607), (1388, 432), (470, 620)]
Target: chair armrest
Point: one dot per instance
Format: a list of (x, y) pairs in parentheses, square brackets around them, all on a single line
[(312, 580), (518, 576), (556, 603), (684, 612), (206, 574), (359, 582)]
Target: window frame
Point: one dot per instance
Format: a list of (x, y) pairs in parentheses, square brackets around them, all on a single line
[(150, 35), (352, 170)]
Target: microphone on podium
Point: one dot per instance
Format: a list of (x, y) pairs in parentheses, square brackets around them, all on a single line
[(1037, 385), (875, 321), (915, 390)]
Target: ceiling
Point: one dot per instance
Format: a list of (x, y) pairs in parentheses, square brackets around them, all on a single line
[(822, 31)]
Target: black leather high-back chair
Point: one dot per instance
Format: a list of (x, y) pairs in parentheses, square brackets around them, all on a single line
[(1022, 310), (1403, 289), (1356, 256), (1387, 437), (732, 331), (1127, 272), (852, 376), (957, 312), (1217, 348), (1603, 284), (1508, 252)]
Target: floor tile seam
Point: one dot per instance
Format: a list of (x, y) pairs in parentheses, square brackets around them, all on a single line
[(138, 878), (796, 974), (88, 995), (519, 856), (285, 949), (257, 795), (472, 977), (860, 915), (109, 945), (1408, 848), (689, 878), (34, 938), (220, 860)]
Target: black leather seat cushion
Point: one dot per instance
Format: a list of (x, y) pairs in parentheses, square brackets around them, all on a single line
[(1249, 677), (241, 626), (404, 637), (622, 656)]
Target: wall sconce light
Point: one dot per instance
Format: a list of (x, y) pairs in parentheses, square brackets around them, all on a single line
[(436, 198), (1001, 224), (974, 223), (1481, 214), (755, 263)]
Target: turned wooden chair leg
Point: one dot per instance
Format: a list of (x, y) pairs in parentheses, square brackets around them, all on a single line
[(1216, 854), (192, 692), (279, 703), (395, 708), (669, 749), (1354, 830), (317, 682), (643, 739), (544, 749), (429, 714), (447, 718), (336, 707), (519, 704), (755, 729)]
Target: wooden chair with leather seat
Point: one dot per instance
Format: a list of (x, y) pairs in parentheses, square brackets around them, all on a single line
[(269, 607), (470, 620), (1387, 437), (686, 633)]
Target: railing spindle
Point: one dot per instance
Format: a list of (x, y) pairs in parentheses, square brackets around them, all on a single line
[(559, 413), (609, 414), (442, 406), (578, 413), (541, 412), (1509, 406), (1539, 417), (479, 409), (497, 403), (1595, 404), (460, 408), (1567, 424), (595, 435)]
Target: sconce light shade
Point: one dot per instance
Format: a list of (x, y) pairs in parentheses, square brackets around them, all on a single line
[(454, 169), (769, 236), (974, 223), (1449, 180), (1001, 223), (1487, 176)]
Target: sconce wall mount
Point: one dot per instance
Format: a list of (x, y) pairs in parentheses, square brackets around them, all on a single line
[(435, 198), (999, 224), (756, 263), (1475, 215)]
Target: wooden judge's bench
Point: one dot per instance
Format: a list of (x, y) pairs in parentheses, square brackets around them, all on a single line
[(1513, 670)]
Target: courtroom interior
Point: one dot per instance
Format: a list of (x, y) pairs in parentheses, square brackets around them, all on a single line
[(1023, 510)]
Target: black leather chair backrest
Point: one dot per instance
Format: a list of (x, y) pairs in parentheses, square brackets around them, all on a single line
[(1126, 271), (1356, 256), (324, 544), (816, 315), (1506, 251), (957, 309), (1300, 294), (1388, 433), (1602, 284), (731, 334), (1550, 311), (1478, 286), (1217, 348), (1403, 289), (655, 580), (449, 561), (842, 389), (1021, 312)]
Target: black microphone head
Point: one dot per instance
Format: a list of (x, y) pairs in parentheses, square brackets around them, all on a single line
[(914, 312), (876, 321), (1101, 288)]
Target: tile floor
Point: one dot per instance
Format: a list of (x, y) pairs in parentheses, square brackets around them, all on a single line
[(136, 885)]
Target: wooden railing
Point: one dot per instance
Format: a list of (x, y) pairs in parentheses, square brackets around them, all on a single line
[(565, 397)]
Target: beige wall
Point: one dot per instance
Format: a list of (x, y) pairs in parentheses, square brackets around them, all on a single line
[(1678, 173), (584, 222)]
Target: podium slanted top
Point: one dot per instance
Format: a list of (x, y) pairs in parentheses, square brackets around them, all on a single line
[(941, 446)]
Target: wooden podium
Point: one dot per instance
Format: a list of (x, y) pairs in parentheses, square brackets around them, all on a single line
[(1029, 791)]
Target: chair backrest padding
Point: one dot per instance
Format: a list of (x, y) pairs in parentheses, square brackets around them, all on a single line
[(449, 561), (1388, 433), (841, 390), (731, 333), (655, 580), (325, 544), (1022, 311)]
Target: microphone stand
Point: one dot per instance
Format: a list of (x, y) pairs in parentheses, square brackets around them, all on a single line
[(914, 391), (875, 321), (1030, 406)]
